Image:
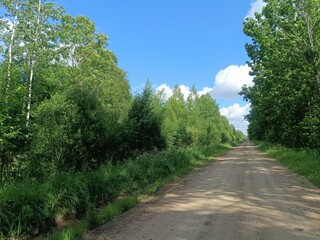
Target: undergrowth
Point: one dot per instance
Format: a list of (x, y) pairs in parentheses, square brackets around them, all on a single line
[(91, 198)]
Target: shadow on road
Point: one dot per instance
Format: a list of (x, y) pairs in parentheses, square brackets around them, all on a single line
[(243, 195)]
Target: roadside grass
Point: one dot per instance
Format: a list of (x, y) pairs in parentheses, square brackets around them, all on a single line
[(305, 162), (94, 218), (97, 216), (83, 201)]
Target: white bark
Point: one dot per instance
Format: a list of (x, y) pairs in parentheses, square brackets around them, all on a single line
[(13, 31), (32, 64), (29, 94)]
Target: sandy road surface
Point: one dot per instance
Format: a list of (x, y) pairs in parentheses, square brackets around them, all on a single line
[(243, 195)]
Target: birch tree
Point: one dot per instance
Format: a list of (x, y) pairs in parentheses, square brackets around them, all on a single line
[(11, 22), (39, 30)]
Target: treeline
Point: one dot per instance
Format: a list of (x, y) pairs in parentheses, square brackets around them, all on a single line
[(66, 106), (285, 62), (72, 136)]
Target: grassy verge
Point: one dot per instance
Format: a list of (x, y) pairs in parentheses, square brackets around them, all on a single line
[(98, 216), (88, 199), (301, 161)]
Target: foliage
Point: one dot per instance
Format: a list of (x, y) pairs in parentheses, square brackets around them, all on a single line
[(285, 63), (10, 146), (30, 208), (72, 136), (68, 194), (54, 136), (148, 173), (70, 105), (196, 122), (145, 125), (24, 210)]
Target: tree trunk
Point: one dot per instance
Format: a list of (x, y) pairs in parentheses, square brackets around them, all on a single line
[(32, 64), (13, 30), (29, 95)]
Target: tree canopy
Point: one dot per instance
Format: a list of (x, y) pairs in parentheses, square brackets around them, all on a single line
[(65, 105), (285, 63)]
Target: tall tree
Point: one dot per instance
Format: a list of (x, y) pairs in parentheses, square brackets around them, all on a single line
[(11, 23), (285, 64), (145, 123), (90, 63), (29, 43), (175, 128), (37, 23)]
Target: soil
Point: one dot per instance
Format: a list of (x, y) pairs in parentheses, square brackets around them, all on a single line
[(243, 195)]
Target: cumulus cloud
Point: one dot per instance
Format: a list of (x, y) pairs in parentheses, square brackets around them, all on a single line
[(235, 114), (205, 90), (185, 90), (256, 6), (166, 90), (228, 82)]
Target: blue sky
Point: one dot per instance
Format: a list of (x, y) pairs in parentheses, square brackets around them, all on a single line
[(181, 42)]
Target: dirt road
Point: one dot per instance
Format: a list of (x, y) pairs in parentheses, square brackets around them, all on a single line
[(243, 195)]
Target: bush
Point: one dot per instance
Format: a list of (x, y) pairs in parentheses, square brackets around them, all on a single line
[(23, 210), (112, 181), (54, 137), (214, 149)]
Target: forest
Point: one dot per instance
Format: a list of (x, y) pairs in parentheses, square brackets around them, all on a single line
[(284, 57), (73, 136)]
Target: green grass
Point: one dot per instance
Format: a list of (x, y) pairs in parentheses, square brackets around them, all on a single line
[(138, 179), (305, 162), (24, 210), (92, 198)]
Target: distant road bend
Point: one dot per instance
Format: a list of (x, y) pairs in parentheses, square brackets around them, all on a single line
[(244, 195)]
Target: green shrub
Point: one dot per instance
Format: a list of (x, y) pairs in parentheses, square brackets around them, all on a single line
[(112, 181), (24, 211), (214, 149)]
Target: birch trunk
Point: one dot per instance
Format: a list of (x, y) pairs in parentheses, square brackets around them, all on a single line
[(32, 64), (13, 31)]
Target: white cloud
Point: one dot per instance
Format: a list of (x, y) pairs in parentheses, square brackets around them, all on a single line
[(235, 114), (205, 90), (228, 82), (256, 6), (166, 90), (185, 90)]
